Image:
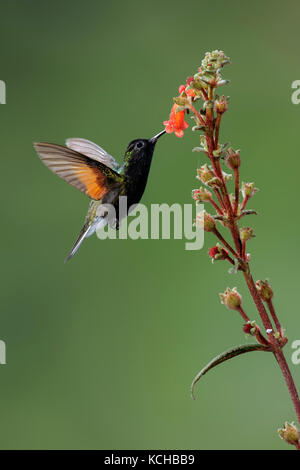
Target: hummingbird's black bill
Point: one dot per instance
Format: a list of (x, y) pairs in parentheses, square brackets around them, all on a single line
[(157, 136)]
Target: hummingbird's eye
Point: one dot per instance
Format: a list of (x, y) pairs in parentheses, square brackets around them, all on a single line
[(139, 145)]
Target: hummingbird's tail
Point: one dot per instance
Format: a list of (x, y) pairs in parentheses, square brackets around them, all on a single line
[(81, 237), (86, 231)]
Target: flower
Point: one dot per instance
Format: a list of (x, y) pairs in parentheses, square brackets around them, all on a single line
[(290, 433), (246, 233), (201, 195), (189, 80), (205, 221), (231, 298), (250, 328), (221, 105), (218, 253), (248, 190), (264, 290), (176, 122), (232, 158), (187, 89)]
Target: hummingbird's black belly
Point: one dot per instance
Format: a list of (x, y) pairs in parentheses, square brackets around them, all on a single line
[(134, 193)]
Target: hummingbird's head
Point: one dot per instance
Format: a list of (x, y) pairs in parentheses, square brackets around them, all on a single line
[(141, 149)]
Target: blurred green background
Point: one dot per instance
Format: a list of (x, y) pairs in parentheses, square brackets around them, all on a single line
[(101, 351)]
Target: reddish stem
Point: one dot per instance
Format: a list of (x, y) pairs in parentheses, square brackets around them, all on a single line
[(198, 115), (274, 316), (243, 314), (244, 250), (218, 210), (246, 199), (230, 259), (217, 193), (217, 129), (237, 189), (236, 238), (260, 306), (222, 240), (289, 380)]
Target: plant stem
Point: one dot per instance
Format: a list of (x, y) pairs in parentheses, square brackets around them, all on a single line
[(259, 305), (244, 250), (244, 203), (222, 240), (237, 189), (289, 380), (219, 197), (218, 210), (217, 129), (243, 314), (274, 316)]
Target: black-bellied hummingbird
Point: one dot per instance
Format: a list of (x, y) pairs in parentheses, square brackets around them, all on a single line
[(92, 170)]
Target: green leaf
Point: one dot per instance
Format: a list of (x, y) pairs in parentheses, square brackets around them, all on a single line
[(225, 356)]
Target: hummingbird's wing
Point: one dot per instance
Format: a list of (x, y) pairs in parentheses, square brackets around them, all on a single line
[(87, 174), (92, 150)]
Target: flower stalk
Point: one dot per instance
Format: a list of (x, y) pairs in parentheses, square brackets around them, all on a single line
[(229, 210)]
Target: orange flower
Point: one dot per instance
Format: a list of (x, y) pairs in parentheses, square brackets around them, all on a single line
[(176, 122), (186, 90)]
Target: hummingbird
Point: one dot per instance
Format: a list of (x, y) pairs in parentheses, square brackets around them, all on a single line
[(95, 172)]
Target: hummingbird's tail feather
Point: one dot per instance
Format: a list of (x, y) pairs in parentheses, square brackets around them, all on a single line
[(86, 231), (78, 242)]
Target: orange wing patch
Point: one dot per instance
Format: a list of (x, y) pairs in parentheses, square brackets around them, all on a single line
[(90, 176), (93, 180)]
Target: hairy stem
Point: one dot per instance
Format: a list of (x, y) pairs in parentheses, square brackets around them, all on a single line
[(217, 208), (237, 190), (224, 242), (259, 305), (243, 314), (217, 129), (289, 380), (274, 316)]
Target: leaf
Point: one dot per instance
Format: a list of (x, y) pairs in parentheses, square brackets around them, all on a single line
[(225, 356), (247, 212)]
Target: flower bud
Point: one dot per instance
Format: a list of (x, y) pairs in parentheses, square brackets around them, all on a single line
[(265, 290), (205, 221), (248, 189), (218, 253), (231, 298), (180, 100), (213, 61), (250, 328), (290, 433), (189, 81), (246, 233), (201, 195), (205, 174), (221, 105), (233, 159)]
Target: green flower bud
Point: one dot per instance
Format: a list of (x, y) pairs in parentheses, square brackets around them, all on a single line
[(289, 433), (221, 104), (246, 233), (233, 159), (248, 189), (264, 290), (201, 195), (205, 221), (231, 298)]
